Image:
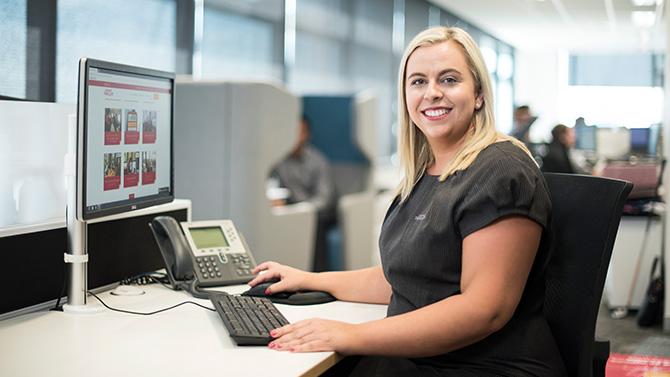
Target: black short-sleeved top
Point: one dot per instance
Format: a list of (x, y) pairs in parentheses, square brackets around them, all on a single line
[(421, 252)]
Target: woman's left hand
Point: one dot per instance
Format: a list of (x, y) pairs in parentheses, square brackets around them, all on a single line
[(314, 335)]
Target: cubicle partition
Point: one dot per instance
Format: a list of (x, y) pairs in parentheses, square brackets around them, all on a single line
[(344, 129), (333, 122), (228, 135)]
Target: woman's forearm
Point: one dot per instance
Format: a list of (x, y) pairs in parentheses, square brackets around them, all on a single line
[(365, 285), (432, 330)]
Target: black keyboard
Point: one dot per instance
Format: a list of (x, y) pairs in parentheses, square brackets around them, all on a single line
[(248, 320)]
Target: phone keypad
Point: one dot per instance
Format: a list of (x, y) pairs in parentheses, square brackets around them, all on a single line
[(242, 264), (209, 267)]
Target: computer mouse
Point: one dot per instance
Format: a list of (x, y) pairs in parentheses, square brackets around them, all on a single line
[(289, 298), (259, 290)]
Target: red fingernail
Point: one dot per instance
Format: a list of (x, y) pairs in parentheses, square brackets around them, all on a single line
[(267, 291), (273, 333)]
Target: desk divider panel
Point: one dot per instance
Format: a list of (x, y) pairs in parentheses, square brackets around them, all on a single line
[(33, 264)]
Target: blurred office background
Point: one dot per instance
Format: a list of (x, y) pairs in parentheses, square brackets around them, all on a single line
[(310, 46), (601, 60)]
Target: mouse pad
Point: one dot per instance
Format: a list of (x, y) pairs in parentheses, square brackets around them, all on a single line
[(300, 298)]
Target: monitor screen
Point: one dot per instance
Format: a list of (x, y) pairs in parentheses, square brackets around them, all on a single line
[(124, 144), (654, 131), (585, 138), (613, 142), (639, 140)]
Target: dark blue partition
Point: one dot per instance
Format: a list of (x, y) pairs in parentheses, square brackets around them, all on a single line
[(331, 120)]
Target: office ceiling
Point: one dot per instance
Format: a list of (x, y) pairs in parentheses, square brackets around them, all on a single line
[(577, 25)]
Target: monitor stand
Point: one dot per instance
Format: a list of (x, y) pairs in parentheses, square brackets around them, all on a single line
[(77, 258), (76, 255)]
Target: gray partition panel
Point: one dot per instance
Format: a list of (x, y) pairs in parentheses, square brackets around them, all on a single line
[(202, 148)]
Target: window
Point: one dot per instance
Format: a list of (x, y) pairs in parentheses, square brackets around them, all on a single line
[(504, 98), (240, 45), (604, 88), (372, 63), (504, 103), (417, 17), (613, 70), (122, 31), (322, 33), (13, 30)]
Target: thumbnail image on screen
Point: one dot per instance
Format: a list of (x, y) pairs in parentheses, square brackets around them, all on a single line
[(131, 133)]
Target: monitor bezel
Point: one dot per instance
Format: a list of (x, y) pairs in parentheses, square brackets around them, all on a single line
[(82, 110)]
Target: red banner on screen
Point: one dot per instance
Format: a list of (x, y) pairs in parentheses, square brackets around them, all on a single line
[(130, 180), (118, 85), (112, 183), (149, 137), (132, 137), (112, 138), (148, 177)]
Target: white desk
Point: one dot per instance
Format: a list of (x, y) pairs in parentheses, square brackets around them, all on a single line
[(186, 341), (628, 274)]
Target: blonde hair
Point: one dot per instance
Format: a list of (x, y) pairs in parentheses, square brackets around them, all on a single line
[(415, 153)]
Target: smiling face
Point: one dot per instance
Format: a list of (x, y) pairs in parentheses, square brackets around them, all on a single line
[(440, 95)]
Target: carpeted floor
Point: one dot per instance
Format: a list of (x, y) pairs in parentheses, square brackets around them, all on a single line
[(627, 337)]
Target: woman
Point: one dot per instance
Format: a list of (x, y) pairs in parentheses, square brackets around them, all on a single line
[(464, 246)]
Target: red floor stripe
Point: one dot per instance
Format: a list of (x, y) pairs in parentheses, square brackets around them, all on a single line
[(622, 365)]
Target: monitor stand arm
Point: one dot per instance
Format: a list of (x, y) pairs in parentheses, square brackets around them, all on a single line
[(76, 255)]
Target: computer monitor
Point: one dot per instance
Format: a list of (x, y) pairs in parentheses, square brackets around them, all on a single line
[(124, 138), (654, 132), (639, 141), (586, 138), (613, 142)]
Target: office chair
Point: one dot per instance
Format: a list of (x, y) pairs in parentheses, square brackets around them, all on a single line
[(586, 212)]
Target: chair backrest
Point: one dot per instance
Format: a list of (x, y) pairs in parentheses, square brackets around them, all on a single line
[(585, 215)]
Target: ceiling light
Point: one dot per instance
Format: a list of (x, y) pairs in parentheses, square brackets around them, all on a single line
[(646, 3), (643, 19), (643, 3)]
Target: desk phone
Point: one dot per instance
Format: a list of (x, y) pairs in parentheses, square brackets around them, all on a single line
[(212, 252)]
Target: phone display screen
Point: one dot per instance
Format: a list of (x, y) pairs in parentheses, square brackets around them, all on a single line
[(208, 237)]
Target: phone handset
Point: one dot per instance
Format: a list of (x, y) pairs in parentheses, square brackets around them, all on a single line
[(213, 253), (174, 249)]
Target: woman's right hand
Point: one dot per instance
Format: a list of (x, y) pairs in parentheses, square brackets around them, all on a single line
[(291, 279)]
